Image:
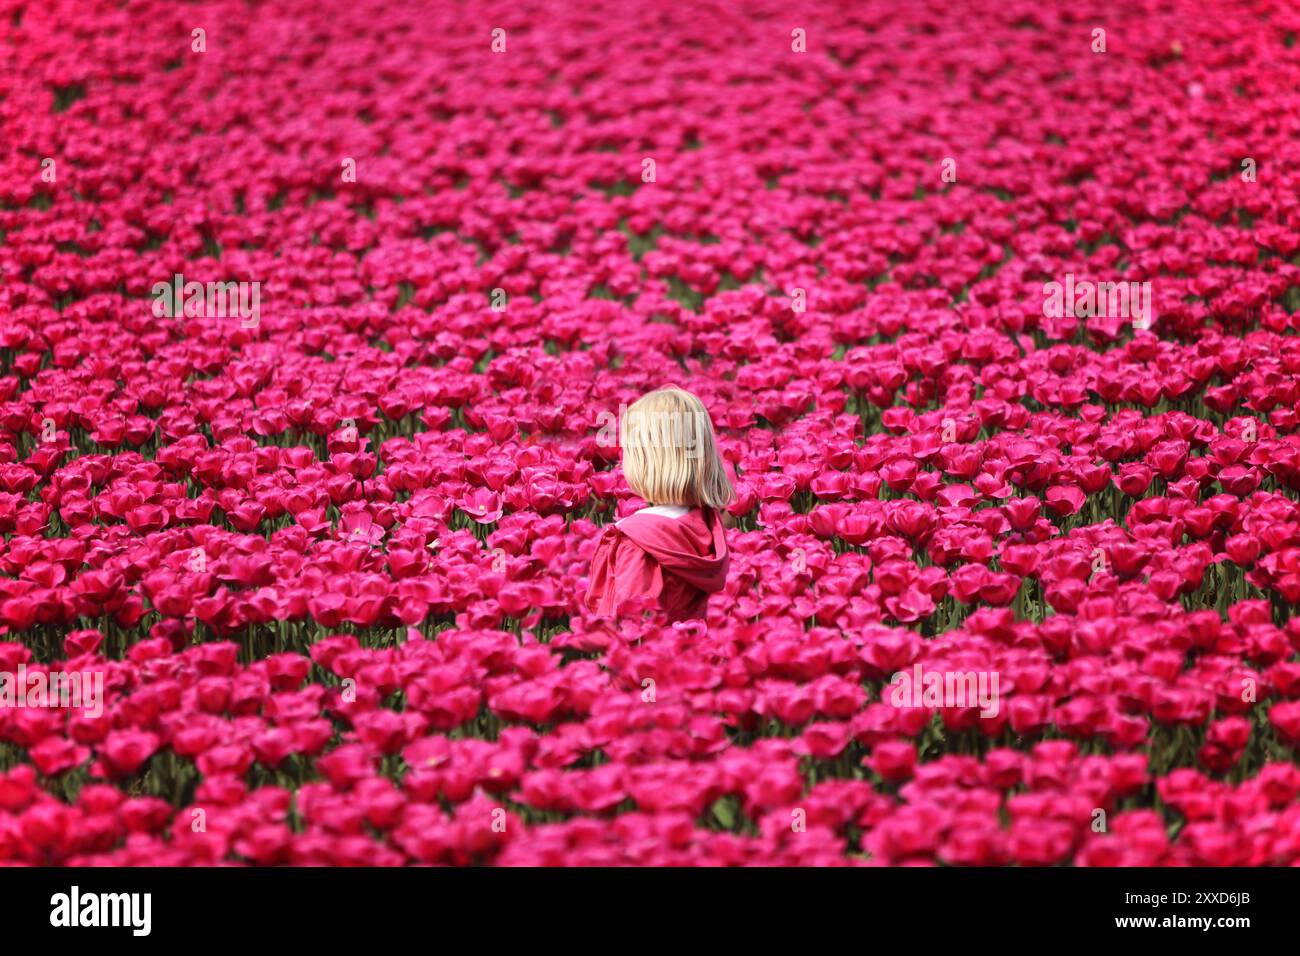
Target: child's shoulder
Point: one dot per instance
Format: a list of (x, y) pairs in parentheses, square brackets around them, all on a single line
[(668, 512)]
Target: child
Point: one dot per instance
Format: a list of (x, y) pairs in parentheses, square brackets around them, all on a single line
[(674, 550)]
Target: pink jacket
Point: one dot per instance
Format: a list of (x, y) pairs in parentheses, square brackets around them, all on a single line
[(676, 555)]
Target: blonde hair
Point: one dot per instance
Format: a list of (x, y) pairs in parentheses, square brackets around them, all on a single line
[(670, 456)]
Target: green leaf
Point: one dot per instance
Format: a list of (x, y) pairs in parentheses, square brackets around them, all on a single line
[(724, 812)]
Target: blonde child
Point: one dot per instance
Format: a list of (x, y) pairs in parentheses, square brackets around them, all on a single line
[(674, 550)]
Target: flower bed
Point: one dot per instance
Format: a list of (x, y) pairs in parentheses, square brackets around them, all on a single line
[(324, 552)]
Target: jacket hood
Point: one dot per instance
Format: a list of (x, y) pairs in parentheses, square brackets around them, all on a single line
[(693, 547)]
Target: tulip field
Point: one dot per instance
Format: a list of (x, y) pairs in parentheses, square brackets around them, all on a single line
[(311, 317)]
